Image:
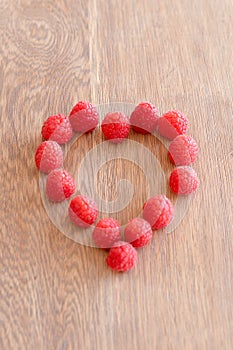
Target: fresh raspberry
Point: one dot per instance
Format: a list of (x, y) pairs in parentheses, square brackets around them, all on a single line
[(122, 257), (106, 233), (144, 118), (158, 211), (138, 232), (57, 128), (83, 211), (183, 150), (115, 126), (59, 185), (48, 156), (172, 124), (183, 180), (84, 117)]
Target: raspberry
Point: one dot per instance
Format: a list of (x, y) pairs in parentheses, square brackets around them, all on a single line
[(158, 211), (183, 180), (83, 211), (144, 118), (59, 185), (84, 117), (106, 233), (171, 124), (115, 126), (48, 156), (183, 150), (57, 128), (122, 257), (138, 232)]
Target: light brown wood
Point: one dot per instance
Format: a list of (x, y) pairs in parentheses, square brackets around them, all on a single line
[(55, 293)]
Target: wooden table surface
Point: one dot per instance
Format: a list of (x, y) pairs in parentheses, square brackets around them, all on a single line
[(57, 294)]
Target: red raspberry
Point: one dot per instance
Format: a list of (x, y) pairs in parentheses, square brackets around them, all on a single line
[(57, 128), (122, 257), (158, 211), (48, 156), (183, 180), (144, 118), (138, 232), (59, 185), (183, 150), (171, 124), (83, 211), (115, 126), (84, 117), (106, 233)]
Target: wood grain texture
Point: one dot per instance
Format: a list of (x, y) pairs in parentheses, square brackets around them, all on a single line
[(56, 294)]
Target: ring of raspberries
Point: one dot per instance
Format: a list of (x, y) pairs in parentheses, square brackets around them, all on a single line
[(157, 211)]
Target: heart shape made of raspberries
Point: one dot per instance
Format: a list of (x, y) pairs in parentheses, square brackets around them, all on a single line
[(72, 201)]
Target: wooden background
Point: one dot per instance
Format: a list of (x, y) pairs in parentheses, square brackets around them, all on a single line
[(56, 294)]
